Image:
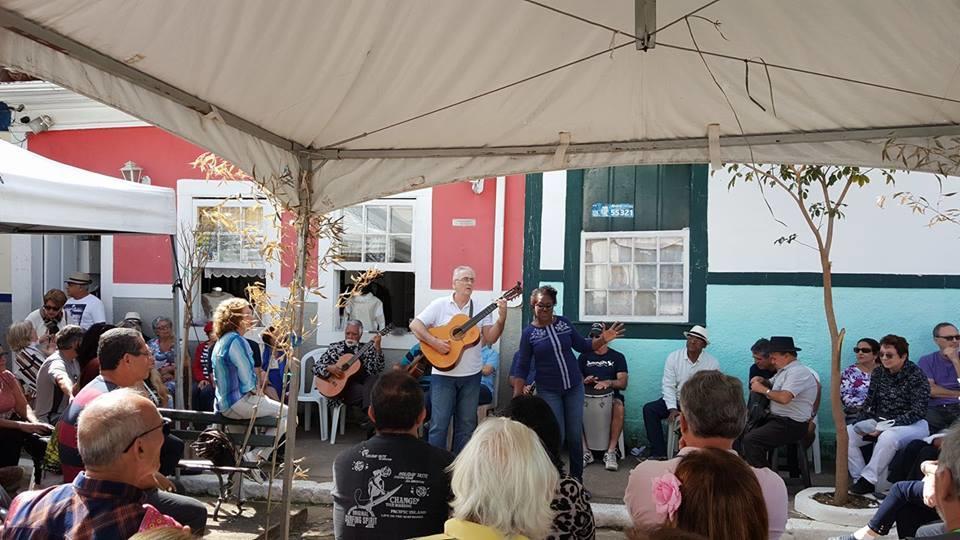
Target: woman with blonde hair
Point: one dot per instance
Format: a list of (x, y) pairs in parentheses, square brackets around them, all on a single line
[(237, 393), (713, 493), (27, 357), (503, 482)]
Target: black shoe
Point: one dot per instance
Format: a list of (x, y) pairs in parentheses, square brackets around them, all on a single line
[(861, 487)]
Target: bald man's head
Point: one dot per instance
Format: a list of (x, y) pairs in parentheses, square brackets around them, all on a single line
[(120, 429)]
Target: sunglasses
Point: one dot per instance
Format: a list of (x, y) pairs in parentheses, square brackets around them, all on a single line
[(888, 356), (955, 337), (51, 308), (863, 350), (545, 307), (129, 446)]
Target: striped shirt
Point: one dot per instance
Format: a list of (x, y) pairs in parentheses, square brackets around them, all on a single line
[(85, 509), (233, 370), (549, 350), (70, 461)]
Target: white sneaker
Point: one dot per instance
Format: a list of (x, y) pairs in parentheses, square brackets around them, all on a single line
[(587, 458), (610, 461)]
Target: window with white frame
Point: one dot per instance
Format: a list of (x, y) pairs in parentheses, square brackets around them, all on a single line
[(637, 276), (378, 232), (231, 233)]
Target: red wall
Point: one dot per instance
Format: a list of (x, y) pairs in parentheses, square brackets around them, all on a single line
[(457, 246), (513, 227), (164, 158)]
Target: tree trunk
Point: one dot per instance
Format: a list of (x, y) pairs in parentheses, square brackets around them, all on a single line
[(836, 404)]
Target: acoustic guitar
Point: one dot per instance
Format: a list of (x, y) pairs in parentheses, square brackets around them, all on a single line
[(462, 332), (349, 364)]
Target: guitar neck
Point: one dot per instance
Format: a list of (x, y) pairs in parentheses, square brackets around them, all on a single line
[(475, 320)]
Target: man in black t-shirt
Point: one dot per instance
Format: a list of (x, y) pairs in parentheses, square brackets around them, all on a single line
[(393, 485), (605, 369)]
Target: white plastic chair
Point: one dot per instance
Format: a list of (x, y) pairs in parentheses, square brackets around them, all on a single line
[(815, 447), (673, 438), (339, 417), (309, 395)]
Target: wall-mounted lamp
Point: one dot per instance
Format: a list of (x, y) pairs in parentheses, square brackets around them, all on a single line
[(477, 185), (134, 173), (38, 124)]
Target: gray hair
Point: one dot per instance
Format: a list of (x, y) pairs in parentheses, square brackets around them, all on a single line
[(107, 425), (69, 336), (459, 269), (354, 322), (115, 343), (159, 320), (713, 405), (950, 456)]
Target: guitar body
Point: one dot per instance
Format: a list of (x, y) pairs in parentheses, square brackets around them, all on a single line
[(458, 342), (332, 387)]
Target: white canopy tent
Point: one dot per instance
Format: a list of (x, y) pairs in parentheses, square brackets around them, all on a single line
[(42, 196), (364, 98)]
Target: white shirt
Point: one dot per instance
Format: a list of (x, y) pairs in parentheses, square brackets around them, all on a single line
[(678, 369), (438, 313), (800, 381), (36, 319), (85, 312)]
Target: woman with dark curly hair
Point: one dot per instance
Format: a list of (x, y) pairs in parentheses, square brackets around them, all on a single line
[(574, 516)]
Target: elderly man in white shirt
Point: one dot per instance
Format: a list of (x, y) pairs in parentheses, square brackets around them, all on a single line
[(680, 366)]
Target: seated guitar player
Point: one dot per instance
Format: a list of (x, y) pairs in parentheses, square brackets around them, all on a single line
[(357, 390)]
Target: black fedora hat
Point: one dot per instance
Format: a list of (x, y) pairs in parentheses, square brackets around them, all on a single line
[(783, 344)]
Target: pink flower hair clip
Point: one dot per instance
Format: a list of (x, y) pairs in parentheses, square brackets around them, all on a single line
[(666, 495)]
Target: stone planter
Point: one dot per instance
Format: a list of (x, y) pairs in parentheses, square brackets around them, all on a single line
[(804, 503)]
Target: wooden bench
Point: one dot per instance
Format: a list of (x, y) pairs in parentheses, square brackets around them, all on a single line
[(188, 425)]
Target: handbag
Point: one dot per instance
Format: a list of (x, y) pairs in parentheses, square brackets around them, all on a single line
[(216, 446)]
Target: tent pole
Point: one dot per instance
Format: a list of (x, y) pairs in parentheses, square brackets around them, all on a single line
[(177, 349), (304, 178)]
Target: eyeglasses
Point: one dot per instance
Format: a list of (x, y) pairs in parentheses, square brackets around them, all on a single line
[(888, 356), (141, 353), (955, 337), (864, 350), (544, 307), (50, 308), (129, 446), (466, 279)]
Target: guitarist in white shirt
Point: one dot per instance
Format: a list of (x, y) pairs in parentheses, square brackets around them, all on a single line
[(455, 393), (357, 391)]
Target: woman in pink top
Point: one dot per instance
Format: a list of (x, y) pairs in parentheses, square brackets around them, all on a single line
[(19, 428)]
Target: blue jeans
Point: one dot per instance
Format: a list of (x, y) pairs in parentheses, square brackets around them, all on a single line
[(567, 406), (457, 398), (903, 505)]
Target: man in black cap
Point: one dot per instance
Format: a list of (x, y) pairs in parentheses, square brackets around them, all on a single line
[(792, 393)]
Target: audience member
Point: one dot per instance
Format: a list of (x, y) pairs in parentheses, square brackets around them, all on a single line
[(762, 365), (163, 348), (27, 357), (87, 353), (946, 493), (58, 376), (941, 369), (605, 370), (573, 515), (792, 393), (712, 493), (237, 391), (713, 416), (893, 414), (357, 390), (855, 380), (19, 428), (503, 482), (124, 362), (393, 485), (680, 366), (203, 389), (49, 318), (82, 308), (488, 379), (420, 371), (275, 360), (120, 435), (546, 346)]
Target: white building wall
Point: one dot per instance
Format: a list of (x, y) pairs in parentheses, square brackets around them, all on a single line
[(868, 240)]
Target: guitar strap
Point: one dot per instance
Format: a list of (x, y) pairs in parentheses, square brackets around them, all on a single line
[(471, 308)]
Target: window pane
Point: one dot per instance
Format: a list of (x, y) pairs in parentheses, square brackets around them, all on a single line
[(646, 276), (207, 244), (620, 249), (399, 249), (671, 303), (353, 220), (596, 251), (671, 250), (204, 221), (596, 303), (375, 248), (621, 303), (645, 249), (233, 215), (251, 252), (229, 247), (376, 219), (352, 247), (671, 276), (645, 304), (401, 219), (619, 276), (596, 276), (253, 218)]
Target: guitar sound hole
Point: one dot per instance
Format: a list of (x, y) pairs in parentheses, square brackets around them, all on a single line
[(457, 333)]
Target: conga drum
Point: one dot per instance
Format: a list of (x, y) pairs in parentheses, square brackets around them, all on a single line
[(597, 412)]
